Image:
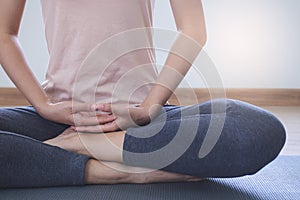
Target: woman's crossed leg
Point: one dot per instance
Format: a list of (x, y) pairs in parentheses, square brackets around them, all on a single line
[(250, 138), (27, 162)]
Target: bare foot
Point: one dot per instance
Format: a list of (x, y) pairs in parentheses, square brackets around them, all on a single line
[(161, 176), (70, 141), (101, 146), (98, 172), (103, 173)]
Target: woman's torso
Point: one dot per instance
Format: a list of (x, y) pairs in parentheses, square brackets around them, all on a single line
[(75, 27)]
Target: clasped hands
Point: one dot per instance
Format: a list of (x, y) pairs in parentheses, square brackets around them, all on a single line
[(115, 117), (99, 118)]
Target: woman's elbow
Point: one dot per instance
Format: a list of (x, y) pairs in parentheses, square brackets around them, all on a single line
[(198, 36), (201, 39)]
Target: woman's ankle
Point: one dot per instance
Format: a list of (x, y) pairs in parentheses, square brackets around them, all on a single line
[(98, 173)]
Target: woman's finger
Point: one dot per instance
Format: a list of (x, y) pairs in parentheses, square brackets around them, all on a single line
[(106, 107), (108, 127), (103, 119), (81, 119), (83, 107), (93, 114), (89, 129)]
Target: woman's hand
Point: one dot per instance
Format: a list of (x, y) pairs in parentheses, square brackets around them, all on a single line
[(125, 116), (74, 113)]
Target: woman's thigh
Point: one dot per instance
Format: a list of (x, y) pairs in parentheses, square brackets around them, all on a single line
[(208, 107), (26, 121)]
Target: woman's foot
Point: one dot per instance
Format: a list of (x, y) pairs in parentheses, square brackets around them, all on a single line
[(98, 172), (110, 173), (70, 141), (101, 146)]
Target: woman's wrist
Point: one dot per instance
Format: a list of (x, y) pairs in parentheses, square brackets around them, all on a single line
[(151, 109), (42, 106)]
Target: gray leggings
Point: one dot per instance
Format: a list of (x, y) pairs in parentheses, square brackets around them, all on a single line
[(250, 138)]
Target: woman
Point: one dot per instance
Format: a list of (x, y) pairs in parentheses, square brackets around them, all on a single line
[(41, 146)]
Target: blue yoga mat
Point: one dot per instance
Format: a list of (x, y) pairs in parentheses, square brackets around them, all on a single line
[(280, 180)]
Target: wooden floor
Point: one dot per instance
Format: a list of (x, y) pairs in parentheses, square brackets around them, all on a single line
[(290, 116)]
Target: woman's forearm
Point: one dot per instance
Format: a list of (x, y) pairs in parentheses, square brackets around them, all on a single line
[(11, 55), (190, 23), (182, 54), (16, 67)]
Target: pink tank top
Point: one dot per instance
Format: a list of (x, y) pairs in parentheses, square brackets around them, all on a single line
[(75, 27)]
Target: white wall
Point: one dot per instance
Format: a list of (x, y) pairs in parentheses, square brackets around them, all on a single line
[(253, 43)]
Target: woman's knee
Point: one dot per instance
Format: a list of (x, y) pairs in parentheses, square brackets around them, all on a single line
[(266, 140), (256, 135), (221, 105), (275, 141)]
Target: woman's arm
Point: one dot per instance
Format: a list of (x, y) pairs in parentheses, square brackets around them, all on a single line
[(16, 67), (190, 23), (11, 56)]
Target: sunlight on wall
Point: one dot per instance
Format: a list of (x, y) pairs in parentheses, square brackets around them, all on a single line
[(253, 43)]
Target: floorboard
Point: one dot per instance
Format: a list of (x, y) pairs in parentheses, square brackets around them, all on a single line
[(290, 116)]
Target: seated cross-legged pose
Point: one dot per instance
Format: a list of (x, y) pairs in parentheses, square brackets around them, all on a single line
[(61, 140)]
